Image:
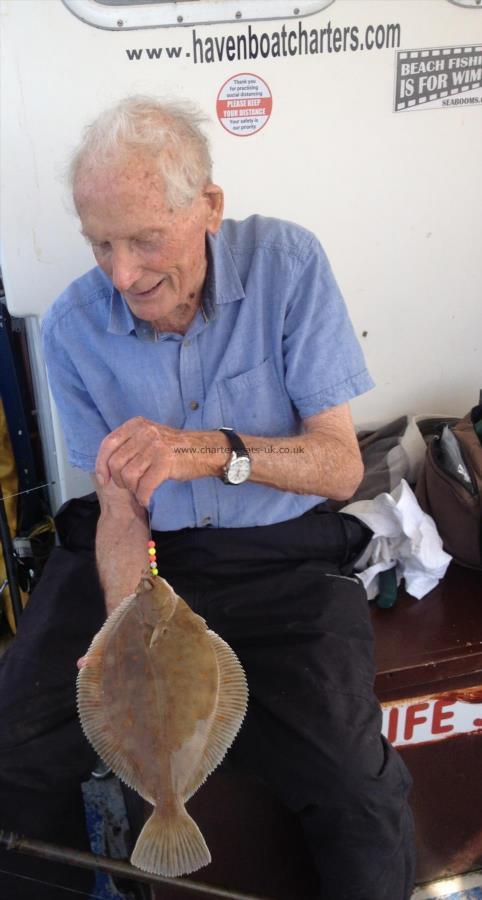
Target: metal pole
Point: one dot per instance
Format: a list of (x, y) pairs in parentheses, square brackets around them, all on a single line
[(9, 567), (112, 866)]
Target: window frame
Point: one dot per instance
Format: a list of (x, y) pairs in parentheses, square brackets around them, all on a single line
[(188, 12)]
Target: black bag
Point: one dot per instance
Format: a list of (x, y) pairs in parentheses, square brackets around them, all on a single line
[(450, 487)]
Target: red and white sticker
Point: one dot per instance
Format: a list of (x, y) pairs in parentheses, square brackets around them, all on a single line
[(244, 104), (424, 720)]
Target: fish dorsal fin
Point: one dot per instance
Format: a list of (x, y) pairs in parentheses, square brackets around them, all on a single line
[(229, 715), (91, 708)]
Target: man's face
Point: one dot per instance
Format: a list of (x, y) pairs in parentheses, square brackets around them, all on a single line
[(154, 254)]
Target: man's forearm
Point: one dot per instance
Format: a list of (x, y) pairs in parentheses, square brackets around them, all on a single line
[(120, 546), (304, 464), (121, 553)]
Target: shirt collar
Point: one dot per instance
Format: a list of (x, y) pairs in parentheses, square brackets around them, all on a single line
[(222, 285), (121, 320)]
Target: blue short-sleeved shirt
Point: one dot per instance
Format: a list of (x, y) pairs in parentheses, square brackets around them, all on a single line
[(272, 345)]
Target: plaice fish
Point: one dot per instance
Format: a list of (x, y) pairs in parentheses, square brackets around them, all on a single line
[(161, 699)]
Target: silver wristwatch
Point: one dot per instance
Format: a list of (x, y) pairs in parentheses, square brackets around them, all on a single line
[(238, 467)]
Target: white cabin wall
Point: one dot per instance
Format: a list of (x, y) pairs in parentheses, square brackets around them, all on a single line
[(395, 197)]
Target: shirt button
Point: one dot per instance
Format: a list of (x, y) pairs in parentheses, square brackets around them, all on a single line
[(194, 404), (187, 343)]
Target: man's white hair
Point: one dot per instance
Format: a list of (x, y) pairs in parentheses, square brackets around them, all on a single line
[(168, 131)]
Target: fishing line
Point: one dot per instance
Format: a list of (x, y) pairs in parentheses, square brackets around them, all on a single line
[(28, 491)]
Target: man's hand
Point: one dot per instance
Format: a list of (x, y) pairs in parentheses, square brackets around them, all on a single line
[(139, 456)]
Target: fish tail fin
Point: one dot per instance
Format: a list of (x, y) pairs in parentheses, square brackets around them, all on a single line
[(171, 845)]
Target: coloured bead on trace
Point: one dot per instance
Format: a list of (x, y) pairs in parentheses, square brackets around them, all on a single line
[(151, 549)]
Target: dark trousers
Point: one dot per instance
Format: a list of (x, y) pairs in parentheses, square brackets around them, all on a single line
[(282, 597)]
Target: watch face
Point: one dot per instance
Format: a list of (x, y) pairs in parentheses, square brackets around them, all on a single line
[(239, 470)]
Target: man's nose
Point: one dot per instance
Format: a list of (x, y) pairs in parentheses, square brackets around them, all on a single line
[(126, 269)]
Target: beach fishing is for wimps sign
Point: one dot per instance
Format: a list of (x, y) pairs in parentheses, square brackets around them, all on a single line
[(439, 77)]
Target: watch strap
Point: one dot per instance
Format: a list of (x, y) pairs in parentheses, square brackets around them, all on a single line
[(235, 441)]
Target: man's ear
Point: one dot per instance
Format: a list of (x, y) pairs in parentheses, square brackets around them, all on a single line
[(214, 197)]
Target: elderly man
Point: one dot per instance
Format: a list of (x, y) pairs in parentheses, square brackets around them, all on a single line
[(202, 372)]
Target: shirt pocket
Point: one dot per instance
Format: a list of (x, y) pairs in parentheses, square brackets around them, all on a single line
[(255, 402)]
